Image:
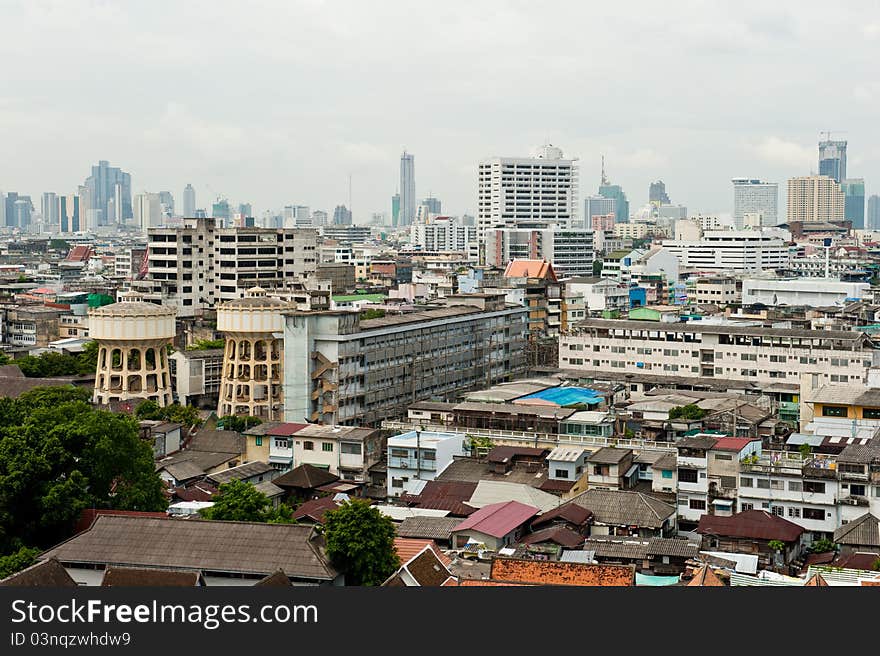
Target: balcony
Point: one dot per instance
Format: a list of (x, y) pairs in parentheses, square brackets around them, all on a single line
[(854, 501)]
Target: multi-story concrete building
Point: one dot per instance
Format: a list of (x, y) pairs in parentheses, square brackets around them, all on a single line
[(341, 370), (753, 196), (746, 250), (32, 325), (418, 456), (407, 189), (195, 376), (854, 201), (872, 221), (718, 290), (793, 291), (634, 230), (596, 206), (189, 202), (345, 451), (197, 265), (814, 198), (832, 159), (443, 233), (569, 251), (527, 192), (761, 355), (599, 294)]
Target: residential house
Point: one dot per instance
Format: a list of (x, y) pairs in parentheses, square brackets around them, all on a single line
[(723, 470), (569, 515), (314, 511), (600, 294), (252, 472), (303, 482), (611, 468), (858, 471), (428, 567), (228, 553), (659, 469), (431, 413), (751, 532), (496, 525), (568, 464), (165, 437), (280, 438), (43, 573), (693, 478), (451, 496), (345, 451), (659, 556), (418, 456), (492, 492), (438, 529), (196, 375), (503, 459), (861, 535), (624, 512)]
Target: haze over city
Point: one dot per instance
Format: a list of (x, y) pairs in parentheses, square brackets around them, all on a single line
[(274, 103)]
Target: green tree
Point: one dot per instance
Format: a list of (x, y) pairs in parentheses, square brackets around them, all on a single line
[(360, 542), (186, 415), (238, 423), (372, 314), (58, 455), (148, 409), (823, 546), (4, 359), (205, 344), (776, 545), (17, 561), (691, 411), (242, 502), (597, 266), (54, 363)]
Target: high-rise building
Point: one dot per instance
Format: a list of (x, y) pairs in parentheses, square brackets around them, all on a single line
[(657, 194), (341, 215), (854, 201), (68, 213), (832, 159), (433, 205), (167, 201), (108, 183), (319, 218), (49, 210), (148, 211), (527, 192), (407, 189), (22, 210), (395, 210), (221, 211), (189, 202), (873, 220), (596, 206), (753, 196), (814, 198)]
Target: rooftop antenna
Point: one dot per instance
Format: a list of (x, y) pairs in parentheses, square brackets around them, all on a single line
[(604, 179)]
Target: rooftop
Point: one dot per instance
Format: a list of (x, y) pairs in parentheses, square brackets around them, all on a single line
[(498, 519), (750, 524), (609, 455), (544, 572), (625, 508)]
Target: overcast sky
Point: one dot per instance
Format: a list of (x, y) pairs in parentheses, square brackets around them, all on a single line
[(278, 101)]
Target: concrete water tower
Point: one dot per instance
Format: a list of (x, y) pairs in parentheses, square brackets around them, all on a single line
[(133, 339), (253, 356)]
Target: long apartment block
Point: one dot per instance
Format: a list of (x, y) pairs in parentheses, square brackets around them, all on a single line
[(734, 352)]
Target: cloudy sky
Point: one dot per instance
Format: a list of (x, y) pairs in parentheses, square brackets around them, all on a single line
[(278, 101)]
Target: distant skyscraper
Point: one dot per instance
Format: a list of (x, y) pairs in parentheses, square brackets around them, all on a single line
[(189, 201), (873, 221), (832, 159), (319, 218), (221, 211), (657, 194), (167, 201), (596, 206), (200, 214), (615, 192), (395, 210), (814, 198), (341, 215), (105, 183), (49, 210), (148, 211), (854, 201), (433, 205), (9, 208), (527, 192), (68, 213), (753, 196), (22, 210), (407, 189), (245, 209)]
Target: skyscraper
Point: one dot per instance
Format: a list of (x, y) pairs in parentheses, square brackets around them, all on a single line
[(814, 198), (854, 201), (615, 192), (832, 159), (148, 211), (189, 202), (105, 183), (596, 206), (873, 220), (527, 192), (167, 201), (657, 193), (18, 210), (49, 210), (341, 215), (246, 209), (753, 196), (68, 213), (433, 205), (221, 211), (407, 189), (395, 210)]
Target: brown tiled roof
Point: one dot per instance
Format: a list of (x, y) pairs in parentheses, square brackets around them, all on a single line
[(305, 477), (609, 455), (503, 454), (444, 495), (430, 528), (315, 509), (863, 531), (470, 470), (217, 441), (617, 547), (625, 508), (474, 583), (199, 492), (247, 470), (554, 486), (88, 515), (45, 573), (234, 547), (673, 547), (568, 512), (149, 576), (859, 560), (705, 578), (560, 535), (750, 524), (819, 558), (428, 569), (543, 572), (276, 579)]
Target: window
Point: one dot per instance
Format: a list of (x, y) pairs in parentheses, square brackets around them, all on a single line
[(667, 473), (258, 440), (795, 486), (749, 357), (833, 411), (399, 453), (777, 485), (856, 490), (745, 481), (814, 513), (723, 456), (814, 487), (429, 455), (350, 448), (687, 475), (396, 482), (762, 483), (308, 446), (794, 512), (746, 506), (871, 413), (682, 501), (728, 482), (327, 446), (282, 443), (561, 473), (779, 511), (697, 504)]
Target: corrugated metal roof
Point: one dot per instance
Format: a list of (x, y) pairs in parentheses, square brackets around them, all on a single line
[(498, 519)]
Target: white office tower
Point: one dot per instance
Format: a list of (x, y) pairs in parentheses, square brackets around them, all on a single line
[(253, 356), (752, 196), (442, 233), (527, 192), (147, 211), (407, 189)]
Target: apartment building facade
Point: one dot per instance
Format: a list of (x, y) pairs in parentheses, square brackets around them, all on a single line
[(730, 251), (341, 370), (725, 351)]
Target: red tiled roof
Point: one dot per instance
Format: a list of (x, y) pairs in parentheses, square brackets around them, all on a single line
[(530, 269), (750, 524), (498, 519), (409, 548), (79, 254), (705, 578), (473, 583), (315, 509), (733, 443), (859, 560), (546, 572), (815, 581), (285, 430)]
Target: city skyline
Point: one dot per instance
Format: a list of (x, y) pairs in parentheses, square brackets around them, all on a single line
[(451, 122)]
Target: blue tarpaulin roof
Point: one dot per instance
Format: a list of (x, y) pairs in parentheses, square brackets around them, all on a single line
[(648, 579), (564, 396)]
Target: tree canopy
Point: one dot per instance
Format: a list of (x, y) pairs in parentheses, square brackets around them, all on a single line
[(59, 455), (689, 411), (239, 424), (186, 415), (360, 542), (242, 502), (205, 344), (55, 363)]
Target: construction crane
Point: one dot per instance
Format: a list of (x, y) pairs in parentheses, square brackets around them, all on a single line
[(828, 134)]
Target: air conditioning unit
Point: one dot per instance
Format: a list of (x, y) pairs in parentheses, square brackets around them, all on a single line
[(403, 465)]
